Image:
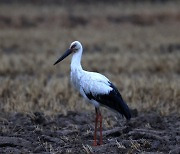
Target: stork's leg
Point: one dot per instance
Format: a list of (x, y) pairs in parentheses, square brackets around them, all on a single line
[(95, 131), (100, 121)]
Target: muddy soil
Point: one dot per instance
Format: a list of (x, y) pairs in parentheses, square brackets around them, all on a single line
[(73, 133)]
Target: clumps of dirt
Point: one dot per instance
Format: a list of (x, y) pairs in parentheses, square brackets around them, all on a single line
[(73, 133)]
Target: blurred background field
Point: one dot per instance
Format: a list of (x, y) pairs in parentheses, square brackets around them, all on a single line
[(136, 45)]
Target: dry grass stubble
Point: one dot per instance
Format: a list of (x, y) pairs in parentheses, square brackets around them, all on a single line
[(142, 60)]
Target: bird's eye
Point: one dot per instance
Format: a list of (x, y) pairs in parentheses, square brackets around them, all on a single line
[(73, 46)]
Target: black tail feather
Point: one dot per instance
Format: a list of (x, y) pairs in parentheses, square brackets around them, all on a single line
[(119, 103), (123, 108)]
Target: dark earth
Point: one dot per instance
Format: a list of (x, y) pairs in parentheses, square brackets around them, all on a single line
[(73, 133)]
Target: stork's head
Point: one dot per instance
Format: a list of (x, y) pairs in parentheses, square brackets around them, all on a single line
[(74, 47)]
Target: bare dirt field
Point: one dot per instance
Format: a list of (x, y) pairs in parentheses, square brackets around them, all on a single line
[(37, 133), (136, 45)]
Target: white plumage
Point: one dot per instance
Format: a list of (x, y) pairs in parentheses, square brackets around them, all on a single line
[(94, 87), (84, 81), (90, 82)]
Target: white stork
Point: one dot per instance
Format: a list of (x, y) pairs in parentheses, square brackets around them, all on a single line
[(94, 87)]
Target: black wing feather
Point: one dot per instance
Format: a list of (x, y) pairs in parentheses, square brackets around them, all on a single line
[(113, 100)]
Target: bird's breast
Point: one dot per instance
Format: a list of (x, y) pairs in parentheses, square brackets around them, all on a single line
[(75, 79)]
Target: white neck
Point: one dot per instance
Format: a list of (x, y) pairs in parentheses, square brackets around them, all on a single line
[(76, 60)]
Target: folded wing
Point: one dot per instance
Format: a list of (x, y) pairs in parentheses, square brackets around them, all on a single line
[(105, 93)]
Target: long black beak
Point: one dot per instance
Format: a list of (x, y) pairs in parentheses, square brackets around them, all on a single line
[(67, 53)]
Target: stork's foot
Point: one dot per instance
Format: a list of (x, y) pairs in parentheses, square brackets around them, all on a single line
[(97, 144), (100, 143)]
